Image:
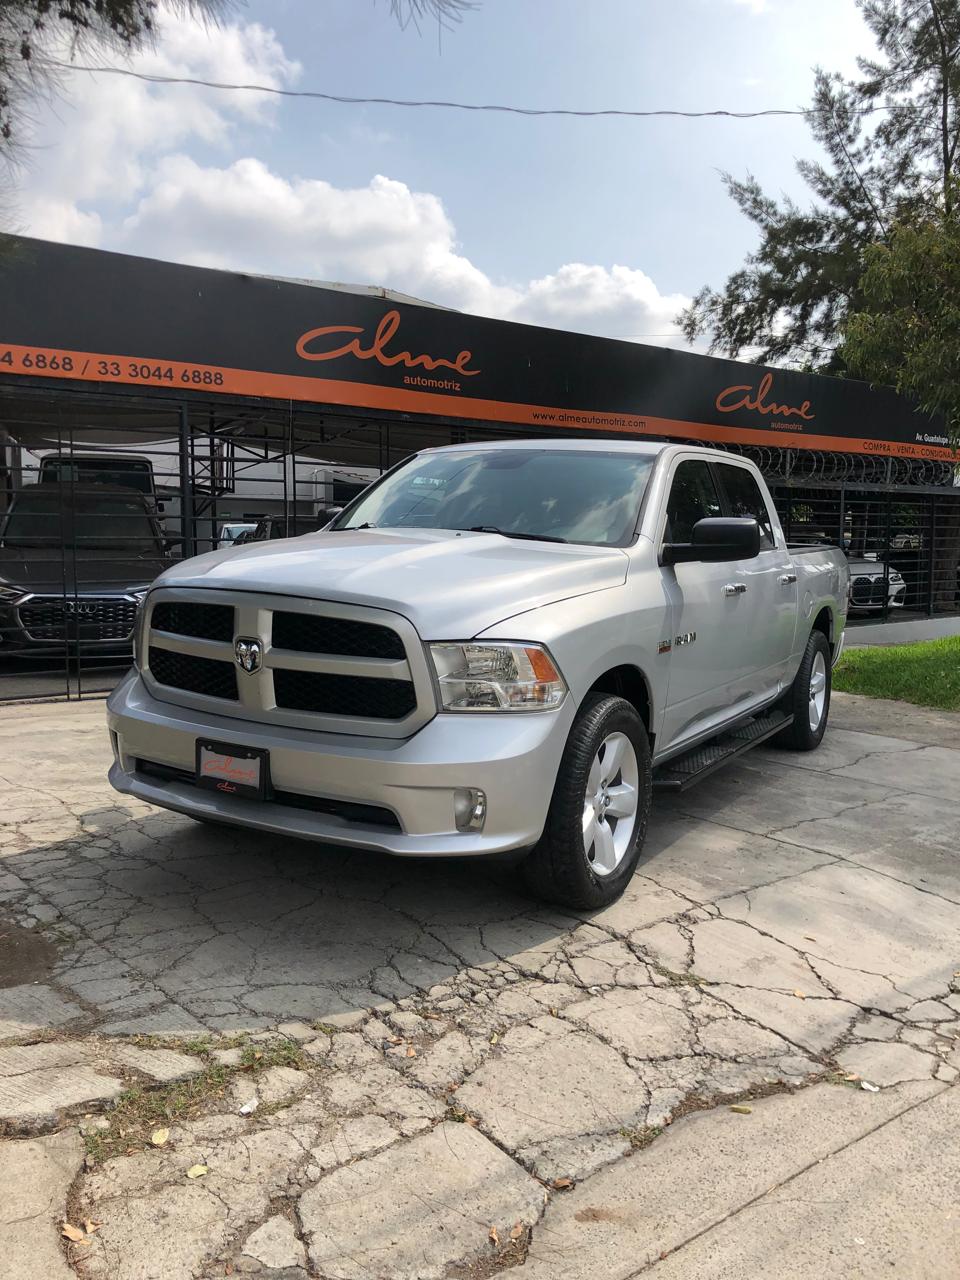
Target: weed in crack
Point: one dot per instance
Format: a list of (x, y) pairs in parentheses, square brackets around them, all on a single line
[(282, 1053), (139, 1111)]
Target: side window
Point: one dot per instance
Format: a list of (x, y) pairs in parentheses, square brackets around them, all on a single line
[(745, 499), (693, 497)]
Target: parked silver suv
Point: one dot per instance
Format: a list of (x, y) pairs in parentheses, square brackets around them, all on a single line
[(498, 647)]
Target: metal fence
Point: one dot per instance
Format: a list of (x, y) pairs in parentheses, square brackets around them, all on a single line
[(99, 493), (902, 544)]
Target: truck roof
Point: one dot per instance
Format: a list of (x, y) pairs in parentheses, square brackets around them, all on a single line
[(602, 444)]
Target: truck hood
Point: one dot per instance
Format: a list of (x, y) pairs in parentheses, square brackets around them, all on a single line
[(450, 585)]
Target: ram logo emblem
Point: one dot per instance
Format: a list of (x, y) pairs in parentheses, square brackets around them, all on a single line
[(249, 654)]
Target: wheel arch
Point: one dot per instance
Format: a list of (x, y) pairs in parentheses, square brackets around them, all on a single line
[(628, 682), (824, 623)]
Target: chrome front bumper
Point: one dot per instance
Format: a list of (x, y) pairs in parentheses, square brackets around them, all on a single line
[(512, 757)]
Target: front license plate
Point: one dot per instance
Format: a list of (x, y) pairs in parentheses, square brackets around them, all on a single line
[(233, 771)]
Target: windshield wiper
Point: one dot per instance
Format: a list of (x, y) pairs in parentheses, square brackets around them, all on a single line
[(509, 533)]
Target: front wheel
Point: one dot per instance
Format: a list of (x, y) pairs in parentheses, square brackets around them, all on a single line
[(809, 697), (598, 815)]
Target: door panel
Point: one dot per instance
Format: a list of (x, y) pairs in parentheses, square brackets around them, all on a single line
[(706, 622), (706, 662), (769, 615)]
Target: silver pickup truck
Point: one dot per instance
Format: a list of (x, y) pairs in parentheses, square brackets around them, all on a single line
[(497, 648)]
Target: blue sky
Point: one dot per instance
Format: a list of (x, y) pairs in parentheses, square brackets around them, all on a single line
[(602, 225)]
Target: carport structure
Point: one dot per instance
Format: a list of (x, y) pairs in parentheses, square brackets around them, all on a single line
[(146, 406)]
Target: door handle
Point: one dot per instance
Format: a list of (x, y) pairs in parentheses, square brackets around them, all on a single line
[(734, 588), (787, 579)]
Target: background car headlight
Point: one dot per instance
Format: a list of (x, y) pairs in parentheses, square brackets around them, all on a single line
[(496, 677)]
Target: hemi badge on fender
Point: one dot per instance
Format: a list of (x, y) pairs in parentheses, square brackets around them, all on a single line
[(665, 646)]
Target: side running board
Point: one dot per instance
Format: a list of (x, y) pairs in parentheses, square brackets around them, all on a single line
[(683, 771)]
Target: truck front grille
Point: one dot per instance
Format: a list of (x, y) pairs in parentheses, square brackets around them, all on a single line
[(334, 695), (316, 664), (83, 618), (310, 633), (193, 618), (869, 592), (206, 676)]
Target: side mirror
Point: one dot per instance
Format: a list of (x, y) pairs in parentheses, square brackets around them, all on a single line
[(716, 539)]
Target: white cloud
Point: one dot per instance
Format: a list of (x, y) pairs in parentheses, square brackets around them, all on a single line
[(114, 170), (97, 141), (621, 302)]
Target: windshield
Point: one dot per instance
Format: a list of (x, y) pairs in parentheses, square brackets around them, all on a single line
[(86, 471), (94, 523), (553, 494)]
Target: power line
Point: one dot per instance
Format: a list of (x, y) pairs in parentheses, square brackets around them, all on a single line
[(453, 106)]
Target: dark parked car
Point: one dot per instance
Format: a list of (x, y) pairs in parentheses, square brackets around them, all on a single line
[(74, 566)]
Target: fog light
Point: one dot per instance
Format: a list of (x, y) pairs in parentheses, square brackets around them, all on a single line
[(115, 743), (469, 808)]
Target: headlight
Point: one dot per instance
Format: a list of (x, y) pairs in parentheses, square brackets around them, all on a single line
[(896, 577), (496, 677), (10, 594)]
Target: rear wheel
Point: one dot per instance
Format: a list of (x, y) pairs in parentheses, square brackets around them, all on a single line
[(598, 815), (809, 697)]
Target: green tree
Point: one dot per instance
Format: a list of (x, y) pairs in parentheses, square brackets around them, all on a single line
[(906, 332), (443, 12), (890, 139)]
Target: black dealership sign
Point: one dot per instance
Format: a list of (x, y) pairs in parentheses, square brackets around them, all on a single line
[(81, 314)]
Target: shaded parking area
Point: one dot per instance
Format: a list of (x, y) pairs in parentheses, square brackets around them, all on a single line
[(795, 925)]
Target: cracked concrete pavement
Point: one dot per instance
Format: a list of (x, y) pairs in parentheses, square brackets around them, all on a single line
[(445, 1058)]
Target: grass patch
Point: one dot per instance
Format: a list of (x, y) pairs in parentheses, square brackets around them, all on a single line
[(201, 1046), (139, 1112), (926, 674), (283, 1053)]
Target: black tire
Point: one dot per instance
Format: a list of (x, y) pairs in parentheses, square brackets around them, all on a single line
[(558, 869), (802, 736)]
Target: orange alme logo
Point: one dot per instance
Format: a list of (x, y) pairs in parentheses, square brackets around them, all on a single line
[(733, 398), (307, 348)]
